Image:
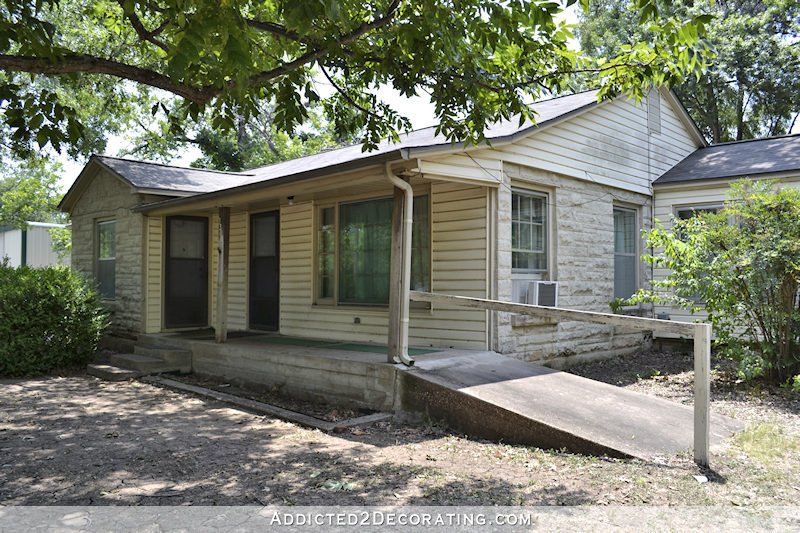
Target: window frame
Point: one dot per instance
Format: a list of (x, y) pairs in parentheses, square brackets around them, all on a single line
[(636, 244), (545, 196), (697, 208), (318, 298), (98, 259), (333, 301)]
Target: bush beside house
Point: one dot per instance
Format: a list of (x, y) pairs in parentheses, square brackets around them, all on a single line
[(741, 265), (49, 318)]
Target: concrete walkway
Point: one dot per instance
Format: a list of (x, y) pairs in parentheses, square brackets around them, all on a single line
[(500, 398)]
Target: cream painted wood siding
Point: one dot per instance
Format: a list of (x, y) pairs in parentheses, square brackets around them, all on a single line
[(237, 272), (609, 145), (297, 276), (154, 261), (458, 261)]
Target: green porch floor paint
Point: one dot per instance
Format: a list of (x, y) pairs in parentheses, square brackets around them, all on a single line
[(291, 341), (327, 345), (375, 349)]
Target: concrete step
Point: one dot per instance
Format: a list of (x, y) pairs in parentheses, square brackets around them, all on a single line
[(169, 354), (500, 398), (112, 373), (146, 364)]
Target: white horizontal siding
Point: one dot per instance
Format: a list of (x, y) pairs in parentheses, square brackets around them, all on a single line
[(609, 144)]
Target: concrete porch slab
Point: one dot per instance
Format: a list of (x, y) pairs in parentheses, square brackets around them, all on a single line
[(501, 398)]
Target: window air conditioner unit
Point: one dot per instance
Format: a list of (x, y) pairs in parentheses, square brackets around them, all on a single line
[(543, 293)]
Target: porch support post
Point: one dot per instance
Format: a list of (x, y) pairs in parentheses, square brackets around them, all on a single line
[(395, 278), (223, 253)]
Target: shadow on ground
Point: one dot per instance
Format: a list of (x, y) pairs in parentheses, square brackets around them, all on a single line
[(81, 441)]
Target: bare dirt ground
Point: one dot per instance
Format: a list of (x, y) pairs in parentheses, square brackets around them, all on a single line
[(76, 440)]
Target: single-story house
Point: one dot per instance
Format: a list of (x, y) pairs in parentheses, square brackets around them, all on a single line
[(546, 213), (700, 183), (31, 245)]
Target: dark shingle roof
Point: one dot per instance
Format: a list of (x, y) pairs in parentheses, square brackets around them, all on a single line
[(426, 138), (735, 159), (158, 177)]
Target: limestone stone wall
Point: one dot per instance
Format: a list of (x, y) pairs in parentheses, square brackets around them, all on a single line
[(109, 198), (581, 259)]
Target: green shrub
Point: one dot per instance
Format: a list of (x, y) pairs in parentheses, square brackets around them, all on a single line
[(742, 265), (49, 318)]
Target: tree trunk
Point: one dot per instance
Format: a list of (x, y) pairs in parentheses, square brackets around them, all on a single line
[(740, 110), (713, 113)]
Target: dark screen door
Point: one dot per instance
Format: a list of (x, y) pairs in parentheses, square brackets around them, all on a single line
[(264, 271), (186, 269)]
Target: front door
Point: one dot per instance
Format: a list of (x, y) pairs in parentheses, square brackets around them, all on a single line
[(264, 271), (186, 270)]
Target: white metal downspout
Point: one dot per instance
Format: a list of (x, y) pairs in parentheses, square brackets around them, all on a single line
[(405, 278)]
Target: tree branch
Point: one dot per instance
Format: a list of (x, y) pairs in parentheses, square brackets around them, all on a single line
[(71, 64), (315, 54), (142, 32), (346, 95), (275, 29)]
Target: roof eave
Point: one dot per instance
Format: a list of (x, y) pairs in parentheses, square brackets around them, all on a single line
[(399, 154), (700, 182)]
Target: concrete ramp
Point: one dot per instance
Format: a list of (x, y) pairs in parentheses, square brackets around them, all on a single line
[(500, 398)]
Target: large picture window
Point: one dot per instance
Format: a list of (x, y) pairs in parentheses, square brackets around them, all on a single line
[(528, 232), (625, 253), (106, 259), (354, 251)]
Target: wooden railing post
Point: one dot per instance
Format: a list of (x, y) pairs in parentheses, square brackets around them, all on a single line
[(702, 393)]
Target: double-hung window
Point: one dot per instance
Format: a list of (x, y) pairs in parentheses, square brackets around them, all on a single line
[(106, 259), (354, 242), (626, 257), (528, 232)]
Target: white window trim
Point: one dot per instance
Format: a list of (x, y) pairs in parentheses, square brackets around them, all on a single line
[(318, 299), (98, 259), (524, 273), (637, 241), (694, 207)]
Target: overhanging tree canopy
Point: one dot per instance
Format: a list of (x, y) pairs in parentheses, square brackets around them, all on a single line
[(752, 86), (478, 60)]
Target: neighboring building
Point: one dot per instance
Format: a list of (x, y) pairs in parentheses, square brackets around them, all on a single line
[(701, 182), (561, 201), (31, 246)]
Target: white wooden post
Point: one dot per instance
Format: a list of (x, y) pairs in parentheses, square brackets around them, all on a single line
[(702, 393)]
